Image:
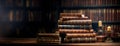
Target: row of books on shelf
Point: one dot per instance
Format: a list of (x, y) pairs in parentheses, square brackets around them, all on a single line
[(72, 3), (16, 16), (114, 28), (12, 3), (37, 3), (20, 3), (19, 15), (106, 15)]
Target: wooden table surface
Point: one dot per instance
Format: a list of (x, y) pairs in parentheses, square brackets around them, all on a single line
[(32, 42)]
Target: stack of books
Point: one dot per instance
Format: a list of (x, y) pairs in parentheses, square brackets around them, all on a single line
[(76, 27)]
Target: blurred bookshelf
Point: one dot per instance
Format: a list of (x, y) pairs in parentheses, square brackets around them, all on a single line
[(26, 18)]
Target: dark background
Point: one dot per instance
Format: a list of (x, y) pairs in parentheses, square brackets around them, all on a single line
[(45, 15)]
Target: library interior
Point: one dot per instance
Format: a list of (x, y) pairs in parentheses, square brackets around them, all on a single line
[(60, 22)]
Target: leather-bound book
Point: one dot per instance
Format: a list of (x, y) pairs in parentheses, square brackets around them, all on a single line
[(79, 35), (77, 22), (74, 31), (74, 26), (65, 18)]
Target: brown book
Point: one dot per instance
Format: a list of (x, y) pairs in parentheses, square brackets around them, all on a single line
[(19, 3), (91, 14), (104, 14), (70, 14), (80, 40), (76, 2), (99, 2), (107, 15), (73, 18), (30, 16), (27, 3), (48, 35), (118, 15), (76, 22), (75, 31), (48, 38), (116, 2), (110, 13), (78, 35), (17, 15), (9, 3), (11, 15)]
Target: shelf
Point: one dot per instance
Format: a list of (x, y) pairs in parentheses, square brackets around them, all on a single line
[(90, 7), (108, 23)]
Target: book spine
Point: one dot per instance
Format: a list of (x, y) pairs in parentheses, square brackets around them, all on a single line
[(11, 15), (80, 40), (27, 3), (78, 35), (74, 27), (76, 22), (75, 31)]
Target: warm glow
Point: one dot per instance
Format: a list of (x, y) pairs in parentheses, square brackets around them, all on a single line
[(109, 28), (100, 23)]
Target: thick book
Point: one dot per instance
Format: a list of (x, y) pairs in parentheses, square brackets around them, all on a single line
[(19, 15), (70, 14), (79, 35), (76, 22), (11, 17), (75, 31), (74, 26), (48, 38), (81, 40), (73, 18), (19, 3), (48, 35)]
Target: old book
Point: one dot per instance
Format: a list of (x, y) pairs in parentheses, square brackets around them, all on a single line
[(77, 22), (11, 15), (75, 31), (48, 38), (70, 14), (74, 26), (19, 3), (30, 16), (81, 40), (104, 12), (112, 15), (48, 35), (8, 3), (19, 15), (79, 35), (27, 3), (73, 18)]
